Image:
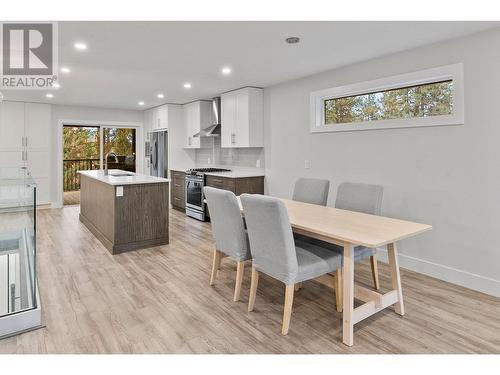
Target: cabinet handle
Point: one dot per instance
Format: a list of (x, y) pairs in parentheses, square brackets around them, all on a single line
[(177, 199), (177, 185), (216, 180), (233, 138)]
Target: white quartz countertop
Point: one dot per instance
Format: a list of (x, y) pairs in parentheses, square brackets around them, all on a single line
[(236, 174), (130, 178), (231, 174)]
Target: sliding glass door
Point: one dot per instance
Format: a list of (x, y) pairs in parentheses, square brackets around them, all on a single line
[(85, 147)]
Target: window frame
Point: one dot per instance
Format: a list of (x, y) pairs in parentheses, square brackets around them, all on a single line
[(442, 73)]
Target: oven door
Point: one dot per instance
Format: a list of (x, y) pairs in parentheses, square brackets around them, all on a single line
[(194, 193)]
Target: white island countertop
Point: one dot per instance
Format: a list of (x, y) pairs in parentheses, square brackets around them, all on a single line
[(120, 177)]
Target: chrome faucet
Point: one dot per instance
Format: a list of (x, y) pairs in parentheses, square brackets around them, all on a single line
[(106, 161)]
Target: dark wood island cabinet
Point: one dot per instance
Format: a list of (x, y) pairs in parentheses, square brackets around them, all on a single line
[(125, 211)]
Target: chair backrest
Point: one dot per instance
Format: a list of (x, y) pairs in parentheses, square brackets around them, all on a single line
[(359, 197), (227, 223), (270, 235), (311, 190)]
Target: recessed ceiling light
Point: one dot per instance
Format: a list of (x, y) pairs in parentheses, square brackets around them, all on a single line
[(80, 46), (160, 96), (292, 40), (56, 85), (50, 96), (141, 103), (65, 70), (226, 70), (187, 85)]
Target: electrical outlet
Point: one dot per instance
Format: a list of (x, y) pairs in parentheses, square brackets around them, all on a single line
[(307, 164), (257, 164), (208, 161)]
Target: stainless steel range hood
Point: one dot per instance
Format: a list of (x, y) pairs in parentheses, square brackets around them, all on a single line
[(213, 130)]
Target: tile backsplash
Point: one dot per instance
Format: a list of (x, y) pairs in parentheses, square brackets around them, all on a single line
[(211, 153)]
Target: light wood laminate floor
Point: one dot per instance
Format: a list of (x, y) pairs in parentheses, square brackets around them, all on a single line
[(158, 301)]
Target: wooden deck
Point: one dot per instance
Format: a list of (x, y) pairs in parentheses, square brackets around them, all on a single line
[(158, 301), (71, 197)]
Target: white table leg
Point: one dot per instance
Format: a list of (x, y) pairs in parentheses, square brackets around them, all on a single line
[(395, 277), (348, 295)]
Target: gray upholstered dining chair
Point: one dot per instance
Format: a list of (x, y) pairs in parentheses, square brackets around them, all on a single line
[(277, 254), (229, 232), (358, 197), (365, 198), (311, 190)]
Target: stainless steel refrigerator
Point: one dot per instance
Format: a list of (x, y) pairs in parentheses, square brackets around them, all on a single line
[(158, 141)]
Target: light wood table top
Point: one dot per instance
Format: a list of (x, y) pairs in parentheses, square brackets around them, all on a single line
[(357, 228)]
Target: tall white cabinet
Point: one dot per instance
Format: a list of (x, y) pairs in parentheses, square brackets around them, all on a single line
[(25, 141), (196, 116), (242, 118)]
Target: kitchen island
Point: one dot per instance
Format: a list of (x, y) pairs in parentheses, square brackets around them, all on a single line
[(124, 210)]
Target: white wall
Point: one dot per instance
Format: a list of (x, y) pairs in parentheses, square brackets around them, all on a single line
[(92, 115), (445, 176)]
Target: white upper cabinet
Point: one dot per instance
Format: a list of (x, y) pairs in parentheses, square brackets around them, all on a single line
[(156, 118), (12, 125), (160, 117), (196, 116), (148, 122), (242, 118), (228, 119)]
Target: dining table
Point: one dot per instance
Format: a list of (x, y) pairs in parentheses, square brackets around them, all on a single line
[(349, 229)]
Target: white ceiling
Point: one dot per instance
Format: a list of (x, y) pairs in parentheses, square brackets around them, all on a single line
[(131, 61)]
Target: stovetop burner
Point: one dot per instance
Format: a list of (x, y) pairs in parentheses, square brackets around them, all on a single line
[(205, 170)]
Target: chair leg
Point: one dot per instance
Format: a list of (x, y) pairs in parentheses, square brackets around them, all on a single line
[(287, 311), (338, 289), (215, 266), (253, 289), (374, 265), (240, 268)]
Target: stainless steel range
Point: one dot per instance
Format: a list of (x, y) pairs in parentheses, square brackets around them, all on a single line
[(195, 181)]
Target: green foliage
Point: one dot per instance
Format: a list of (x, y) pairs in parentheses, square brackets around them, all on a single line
[(432, 99), (119, 141), (81, 143)]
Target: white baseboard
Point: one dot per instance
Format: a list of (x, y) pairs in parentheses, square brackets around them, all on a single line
[(463, 278)]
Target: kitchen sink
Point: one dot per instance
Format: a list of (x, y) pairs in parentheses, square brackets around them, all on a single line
[(121, 174)]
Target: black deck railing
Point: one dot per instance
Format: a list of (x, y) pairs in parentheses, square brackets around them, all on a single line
[(71, 181), (70, 172)]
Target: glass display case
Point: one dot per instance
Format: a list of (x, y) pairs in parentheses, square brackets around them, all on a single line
[(18, 285)]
